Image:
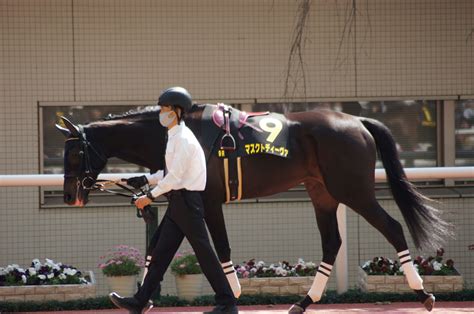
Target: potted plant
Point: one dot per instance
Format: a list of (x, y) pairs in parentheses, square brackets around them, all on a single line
[(188, 275), (45, 281), (281, 278), (382, 274), (121, 266)]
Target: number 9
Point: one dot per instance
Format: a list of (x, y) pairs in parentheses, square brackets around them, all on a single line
[(272, 126)]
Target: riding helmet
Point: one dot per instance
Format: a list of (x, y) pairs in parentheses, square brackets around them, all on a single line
[(176, 96)]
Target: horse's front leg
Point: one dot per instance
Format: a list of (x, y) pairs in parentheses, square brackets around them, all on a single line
[(215, 223)]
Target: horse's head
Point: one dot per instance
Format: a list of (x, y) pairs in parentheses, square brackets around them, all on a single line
[(82, 164)]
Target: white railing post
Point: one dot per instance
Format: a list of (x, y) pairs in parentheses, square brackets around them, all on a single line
[(342, 269)]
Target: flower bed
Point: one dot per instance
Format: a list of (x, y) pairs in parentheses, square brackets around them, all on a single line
[(48, 281), (385, 275), (278, 279)]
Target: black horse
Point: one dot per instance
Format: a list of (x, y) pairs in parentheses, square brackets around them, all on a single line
[(333, 154)]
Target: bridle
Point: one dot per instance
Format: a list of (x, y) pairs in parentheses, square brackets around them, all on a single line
[(91, 184), (88, 182)]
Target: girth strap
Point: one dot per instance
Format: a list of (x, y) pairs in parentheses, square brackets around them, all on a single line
[(233, 178)]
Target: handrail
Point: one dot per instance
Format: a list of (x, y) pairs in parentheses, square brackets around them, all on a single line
[(427, 173)]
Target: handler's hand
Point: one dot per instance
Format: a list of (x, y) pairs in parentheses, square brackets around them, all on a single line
[(142, 201)]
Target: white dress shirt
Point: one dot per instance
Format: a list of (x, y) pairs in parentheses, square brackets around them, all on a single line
[(185, 163)]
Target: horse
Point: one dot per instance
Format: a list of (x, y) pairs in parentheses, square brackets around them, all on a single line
[(332, 153)]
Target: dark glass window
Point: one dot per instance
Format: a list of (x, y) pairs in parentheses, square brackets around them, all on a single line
[(464, 130), (413, 123), (53, 140)]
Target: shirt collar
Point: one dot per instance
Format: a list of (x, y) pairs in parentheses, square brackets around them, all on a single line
[(176, 129)]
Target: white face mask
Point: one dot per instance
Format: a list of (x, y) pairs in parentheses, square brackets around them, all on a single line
[(166, 118)]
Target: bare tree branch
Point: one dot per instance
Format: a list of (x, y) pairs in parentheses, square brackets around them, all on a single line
[(295, 67)]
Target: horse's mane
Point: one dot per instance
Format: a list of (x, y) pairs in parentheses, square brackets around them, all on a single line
[(148, 112), (144, 113)]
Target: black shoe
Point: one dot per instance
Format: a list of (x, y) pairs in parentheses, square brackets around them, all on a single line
[(224, 309), (296, 309), (130, 304)]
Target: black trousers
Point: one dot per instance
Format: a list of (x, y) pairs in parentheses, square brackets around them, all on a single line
[(185, 218)]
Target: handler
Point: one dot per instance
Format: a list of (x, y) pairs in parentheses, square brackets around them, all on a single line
[(184, 178)]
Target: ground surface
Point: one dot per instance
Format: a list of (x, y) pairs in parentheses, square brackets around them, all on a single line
[(405, 307)]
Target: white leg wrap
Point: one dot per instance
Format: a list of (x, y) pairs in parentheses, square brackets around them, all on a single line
[(147, 264), (414, 280), (320, 281), (231, 276)]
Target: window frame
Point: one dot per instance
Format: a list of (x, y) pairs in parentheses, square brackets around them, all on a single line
[(445, 133)]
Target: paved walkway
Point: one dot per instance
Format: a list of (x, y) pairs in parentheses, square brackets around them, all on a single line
[(405, 307)]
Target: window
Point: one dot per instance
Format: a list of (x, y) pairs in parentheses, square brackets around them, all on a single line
[(413, 124), (52, 145), (464, 130)]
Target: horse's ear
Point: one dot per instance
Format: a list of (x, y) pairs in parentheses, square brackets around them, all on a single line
[(64, 131), (71, 127)]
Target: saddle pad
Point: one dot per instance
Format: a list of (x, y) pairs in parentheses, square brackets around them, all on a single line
[(271, 139)]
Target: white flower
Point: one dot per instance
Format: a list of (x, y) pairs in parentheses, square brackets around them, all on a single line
[(37, 264), (42, 277), (437, 266), (2, 271), (70, 271), (9, 268), (50, 263), (51, 276), (62, 276), (23, 278), (310, 264), (366, 264), (260, 264), (32, 271)]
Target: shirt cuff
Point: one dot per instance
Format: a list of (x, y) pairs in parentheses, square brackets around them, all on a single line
[(154, 178), (156, 192)]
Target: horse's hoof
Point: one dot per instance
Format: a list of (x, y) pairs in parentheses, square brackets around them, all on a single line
[(295, 308), (429, 302)]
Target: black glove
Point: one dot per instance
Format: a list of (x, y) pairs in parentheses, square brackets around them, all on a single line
[(137, 182)]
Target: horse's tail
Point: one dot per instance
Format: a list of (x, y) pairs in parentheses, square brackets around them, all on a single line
[(426, 227)]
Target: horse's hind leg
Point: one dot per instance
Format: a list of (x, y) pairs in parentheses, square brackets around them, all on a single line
[(325, 208), (393, 232)]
